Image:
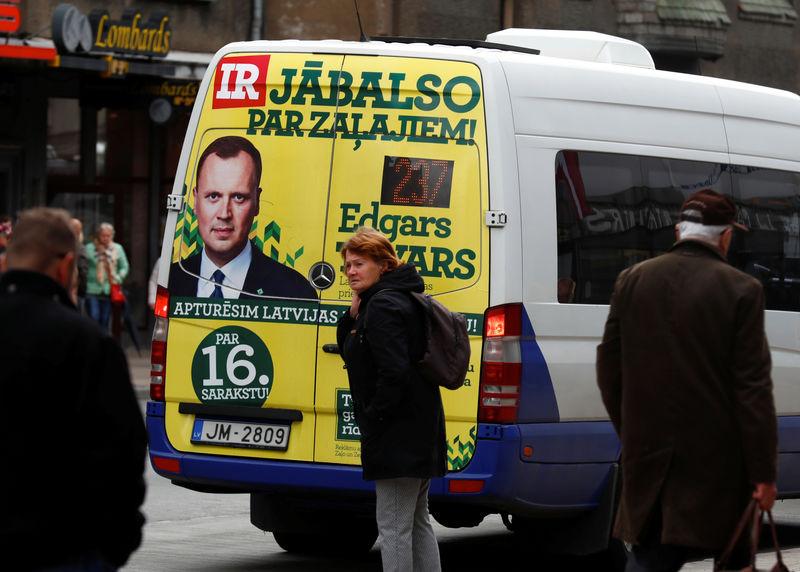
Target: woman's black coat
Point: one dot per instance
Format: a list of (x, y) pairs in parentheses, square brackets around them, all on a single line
[(398, 412)]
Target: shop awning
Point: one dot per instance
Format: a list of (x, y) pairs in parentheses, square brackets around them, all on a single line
[(177, 64), (697, 12), (27, 50), (773, 10)]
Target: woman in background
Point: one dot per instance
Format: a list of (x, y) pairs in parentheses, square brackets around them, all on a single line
[(107, 263)]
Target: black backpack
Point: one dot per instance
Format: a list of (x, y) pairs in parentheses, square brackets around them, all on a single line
[(446, 358)]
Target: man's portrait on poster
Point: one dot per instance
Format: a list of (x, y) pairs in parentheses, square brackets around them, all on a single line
[(226, 201)]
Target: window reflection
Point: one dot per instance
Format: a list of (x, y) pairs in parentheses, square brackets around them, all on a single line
[(617, 210), (64, 137)]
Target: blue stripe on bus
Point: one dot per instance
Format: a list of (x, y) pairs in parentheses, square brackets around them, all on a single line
[(545, 488), (566, 470), (789, 434), (573, 442), (789, 456), (537, 400)]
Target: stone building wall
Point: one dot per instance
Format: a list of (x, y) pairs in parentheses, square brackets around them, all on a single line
[(756, 41)]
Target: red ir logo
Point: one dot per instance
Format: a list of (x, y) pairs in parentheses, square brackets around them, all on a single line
[(241, 81), (9, 16)]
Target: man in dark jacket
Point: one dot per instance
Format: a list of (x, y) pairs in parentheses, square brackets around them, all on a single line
[(684, 372), (74, 440), (399, 414)]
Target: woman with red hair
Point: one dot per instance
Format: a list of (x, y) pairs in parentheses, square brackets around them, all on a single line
[(399, 414)]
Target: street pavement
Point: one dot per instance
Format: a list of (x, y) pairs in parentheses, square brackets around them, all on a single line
[(139, 364), (786, 513)]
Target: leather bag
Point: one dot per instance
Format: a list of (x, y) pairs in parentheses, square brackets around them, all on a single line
[(117, 295), (754, 515)]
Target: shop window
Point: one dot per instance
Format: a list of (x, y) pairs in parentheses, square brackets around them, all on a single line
[(66, 188), (617, 210), (90, 208), (64, 138)]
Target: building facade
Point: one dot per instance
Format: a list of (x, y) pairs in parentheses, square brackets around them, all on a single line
[(95, 96)]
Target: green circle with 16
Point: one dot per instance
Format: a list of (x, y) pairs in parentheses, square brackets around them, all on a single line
[(233, 366)]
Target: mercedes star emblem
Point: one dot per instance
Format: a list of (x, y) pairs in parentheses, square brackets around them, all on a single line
[(321, 275)]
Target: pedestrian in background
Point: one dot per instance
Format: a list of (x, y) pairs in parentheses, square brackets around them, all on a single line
[(82, 264), (73, 436), (684, 372), (5, 233), (399, 414), (107, 263), (152, 286)]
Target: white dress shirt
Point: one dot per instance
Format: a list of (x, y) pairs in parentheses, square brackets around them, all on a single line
[(235, 272)]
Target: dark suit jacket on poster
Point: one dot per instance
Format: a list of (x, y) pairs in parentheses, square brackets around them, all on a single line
[(684, 372), (265, 274)]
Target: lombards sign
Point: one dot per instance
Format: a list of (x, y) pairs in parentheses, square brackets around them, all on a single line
[(131, 34), (100, 33)]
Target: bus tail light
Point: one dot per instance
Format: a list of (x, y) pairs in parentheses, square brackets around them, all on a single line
[(158, 347), (501, 365), (465, 485), (166, 465)]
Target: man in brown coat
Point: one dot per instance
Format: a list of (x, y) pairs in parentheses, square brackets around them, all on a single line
[(684, 372)]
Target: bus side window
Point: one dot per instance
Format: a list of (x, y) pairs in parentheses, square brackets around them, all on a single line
[(615, 210)]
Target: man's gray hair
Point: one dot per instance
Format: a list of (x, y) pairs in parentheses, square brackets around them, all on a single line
[(707, 232)]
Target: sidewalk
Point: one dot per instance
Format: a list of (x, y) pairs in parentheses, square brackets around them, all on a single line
[(139, 365), (764, 561)]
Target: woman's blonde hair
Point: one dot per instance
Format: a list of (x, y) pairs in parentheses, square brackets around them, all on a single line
[(369, 242)]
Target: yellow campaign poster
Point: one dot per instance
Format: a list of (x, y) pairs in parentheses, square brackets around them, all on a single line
[(328, 143)]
